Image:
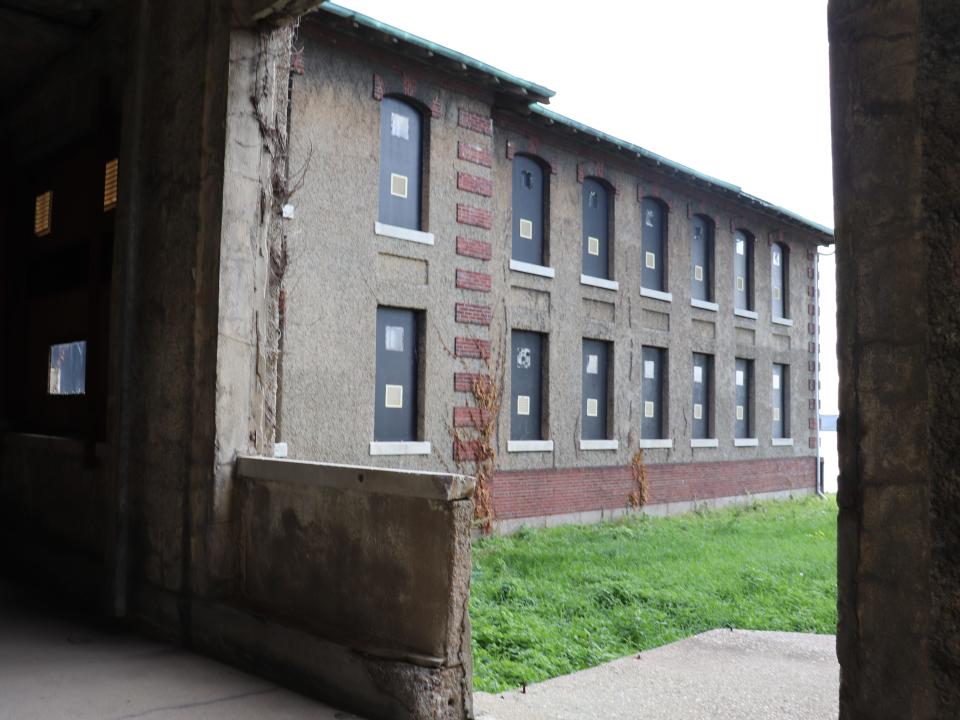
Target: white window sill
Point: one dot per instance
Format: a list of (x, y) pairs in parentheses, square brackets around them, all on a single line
[(705, 305), (402, 233), (599, 444), (400, 448), (745, 442), (530, 446), (655, 444), (656, 294), (745, 313), (781, 441), (704, 443), (599, 282), (783, 321), (532, 269)]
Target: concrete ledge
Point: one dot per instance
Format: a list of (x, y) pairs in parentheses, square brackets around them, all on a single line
[(704, 443), (530, 446), (745, 442), (379, 481), (781, 441), (599, 282), (532, 269), (782, 321), (749, 314), (653, 444), (402, 233), (400, 448), (599, 444), (705, 305), (656, 294)]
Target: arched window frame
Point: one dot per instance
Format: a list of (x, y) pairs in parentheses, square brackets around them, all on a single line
[(780, 280), (403, 173), (744, 302), (654, 250), (703, 285), (597, 244), (530, 215)]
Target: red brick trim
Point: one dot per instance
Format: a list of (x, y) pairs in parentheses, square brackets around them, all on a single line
[(464, 450), (471, 348), (474, 184), (378, 88), (477, 217), (464, 382), (645, 190), (468, 280), (479, 249), (536, 493), (812, 443), (475, 122), (473, 314), (468, 417), (474, 153), (436, 107)]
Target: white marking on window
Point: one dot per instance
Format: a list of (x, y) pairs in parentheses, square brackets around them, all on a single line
[(393, 396), (393, 338), (649, 369), (649, 218), (648, 409), (526, 229), (740, 378), (651, 260), (776, 293), (697, 374), (593, 364), (592, 407), (398, 185), (593, 245), (776, 382), (523, 404), (697, 411), (739, 412), (741, 247), (524, 358), (400, 126), (740, 283), (776, 414), (776, 258), (698, 273)]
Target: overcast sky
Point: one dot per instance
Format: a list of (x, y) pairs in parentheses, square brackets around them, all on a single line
[(735, 89)]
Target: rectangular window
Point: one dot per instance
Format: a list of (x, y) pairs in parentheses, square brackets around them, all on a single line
[(43, 214), (401, 164), (110, 184), (654, 245), (702, 396), (780, 401), (595, 390), (701, 256), (596, 229), (743, 271), (779, 280), (529, 203), (743, 397), (526, 385), (396, 413), (67, 369), (653, 422)]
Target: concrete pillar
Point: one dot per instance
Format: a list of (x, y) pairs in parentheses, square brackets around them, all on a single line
[(895, 68)]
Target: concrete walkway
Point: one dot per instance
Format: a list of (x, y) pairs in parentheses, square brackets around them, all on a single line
[(719, 675), (51, 668)]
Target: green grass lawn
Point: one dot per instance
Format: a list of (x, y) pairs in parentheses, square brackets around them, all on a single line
[(549, 602)]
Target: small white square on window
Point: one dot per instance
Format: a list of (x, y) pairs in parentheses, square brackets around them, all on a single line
[(740, 283), (741, 247), (593, 245), (740, 378), (776, 259), (526, 229), (649, 369), (776, 414), (400, 126), (523, 404), (398, 185), (698, 273), (739, 412), (648, 409), (393, 397), (776, 293), (697, 374), (697, 411), (592, 407), (593, 364), (651, 260), (649, 218), (393, 338), (776, 382)]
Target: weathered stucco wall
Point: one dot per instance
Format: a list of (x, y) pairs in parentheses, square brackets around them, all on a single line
[(895, 87)]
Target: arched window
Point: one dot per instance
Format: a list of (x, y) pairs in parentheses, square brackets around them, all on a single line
[(653, 219), (701, 258), (401, 164), (596, 229), (780, 280), (529, 201), (743, 270)]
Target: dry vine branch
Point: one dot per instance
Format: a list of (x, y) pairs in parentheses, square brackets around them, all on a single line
[(641, 494)]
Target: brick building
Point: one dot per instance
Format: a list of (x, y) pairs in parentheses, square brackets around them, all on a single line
[(446, 214)]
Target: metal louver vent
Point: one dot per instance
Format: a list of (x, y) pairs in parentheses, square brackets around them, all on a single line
[(110, 185), (43, 214)]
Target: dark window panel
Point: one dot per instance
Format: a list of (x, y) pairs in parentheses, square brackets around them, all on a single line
[(743, 409), (652, 396), (779, 280), (595, 396), (701, 255), (526, 385), (702, 412), (528, 196), (743, 270), (596, 229), (401, 164), (654, 245), (395, 416)]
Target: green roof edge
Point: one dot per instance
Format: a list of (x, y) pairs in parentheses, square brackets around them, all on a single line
[(473, 63)]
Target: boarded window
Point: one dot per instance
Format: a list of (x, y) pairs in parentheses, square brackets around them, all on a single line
[(743, 397), (67, 369), (743, 270), (702, 396), (43, 214), (701, 257), (779, 280), (526, 381), (595, 383), (596, 229), (529, 201), (653, 415), (401, 163), (653, 221), (395, 416), (780, 401)]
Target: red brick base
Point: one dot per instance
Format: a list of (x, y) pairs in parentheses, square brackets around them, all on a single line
[(537, 493)]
